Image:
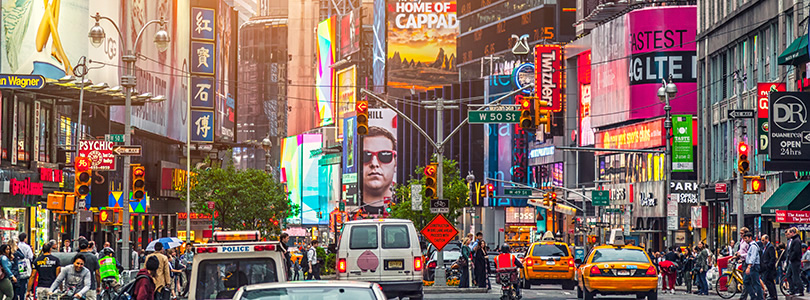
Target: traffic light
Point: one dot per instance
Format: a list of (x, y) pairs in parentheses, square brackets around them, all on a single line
[(138, 182), (361, 108), (542, 111), (430, 180), (554, 198), (106, 216), (756, 184), (387, 204), (742, 162), (482, 191), (546, 199), (490, 190), (526, 116), (81, 185)]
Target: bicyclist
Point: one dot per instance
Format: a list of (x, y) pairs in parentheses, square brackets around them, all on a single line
[(508, 262), (76, 279), (108, 267)]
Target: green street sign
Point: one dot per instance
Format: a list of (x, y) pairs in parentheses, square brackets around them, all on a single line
[(493, 116), (115, 138), (600, 198), (341, 206), (517, 192)]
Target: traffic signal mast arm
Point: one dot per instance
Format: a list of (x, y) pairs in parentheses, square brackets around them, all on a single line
[(516, 184)]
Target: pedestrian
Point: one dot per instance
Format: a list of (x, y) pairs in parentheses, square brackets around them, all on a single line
[(163, 278), (90, 261), (7, 283), (688, 267), (479, 260), (669, 267), (752, 260), (314, 265), (21, 269), (144, 288), (768, 266), (188, 258), (465, 269), (283, 240), (46, 268), (702, 265), (66, 246), (794, 254), (741, 255)]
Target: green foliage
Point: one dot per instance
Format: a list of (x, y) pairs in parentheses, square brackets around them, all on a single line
[(455, 190), (244, 199)]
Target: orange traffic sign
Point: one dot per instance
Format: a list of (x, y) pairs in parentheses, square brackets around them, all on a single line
[(430, 170), (439, 232)]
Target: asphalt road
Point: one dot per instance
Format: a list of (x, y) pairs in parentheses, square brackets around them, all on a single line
[(555, 292)]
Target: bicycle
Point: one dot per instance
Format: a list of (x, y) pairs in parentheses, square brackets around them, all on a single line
[(109, 289), (731, 282), (784, 285), (68, 294)]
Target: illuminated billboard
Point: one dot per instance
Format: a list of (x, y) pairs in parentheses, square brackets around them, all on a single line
[(585, 136), (421, 45), (346, 93), (379, 159), (324, 79), (299, 170), (548, 62), (378, 52)]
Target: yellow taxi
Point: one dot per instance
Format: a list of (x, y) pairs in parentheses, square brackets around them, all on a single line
[(548, 262), (617, 269), (296, 255)]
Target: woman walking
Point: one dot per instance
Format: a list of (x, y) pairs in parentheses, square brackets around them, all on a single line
[(465, 269), (6, 283)]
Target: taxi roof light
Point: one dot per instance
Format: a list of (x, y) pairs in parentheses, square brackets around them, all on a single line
[(236, 236)]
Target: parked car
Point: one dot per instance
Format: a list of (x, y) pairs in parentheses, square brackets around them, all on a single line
[(341, 290), (449, 258)]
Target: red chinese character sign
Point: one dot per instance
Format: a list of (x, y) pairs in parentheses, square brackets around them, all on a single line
[(439, 232)]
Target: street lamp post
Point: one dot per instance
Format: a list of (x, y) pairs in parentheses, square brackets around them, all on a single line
[(128, 81), (267, 145), (665, 92)]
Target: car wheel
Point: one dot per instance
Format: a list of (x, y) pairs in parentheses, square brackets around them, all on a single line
[(569, 285), (653, 295), (579, 293), (527, 285), (587, 295)]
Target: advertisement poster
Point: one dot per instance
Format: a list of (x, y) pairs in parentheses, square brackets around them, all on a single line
[(788, 130), (682, 155), (300, 171), (350, 162), (350, 33), (379, 51), (548, 62), (585, 136), (421, 45), (346, 93), (379, 159), (763, 92), (324, 76)]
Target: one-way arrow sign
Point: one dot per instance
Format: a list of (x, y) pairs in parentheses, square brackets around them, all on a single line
[(134, 150), (741, 113)]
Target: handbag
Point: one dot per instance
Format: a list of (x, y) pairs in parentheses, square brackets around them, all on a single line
[(461, 261)]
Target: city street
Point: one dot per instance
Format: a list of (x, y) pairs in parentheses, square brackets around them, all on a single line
[(554, 292)]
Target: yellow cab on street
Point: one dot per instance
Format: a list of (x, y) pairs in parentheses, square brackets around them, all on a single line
[(548, 262), (617, 269)]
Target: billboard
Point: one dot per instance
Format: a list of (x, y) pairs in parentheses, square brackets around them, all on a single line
[(350, 162), (379, 158), (324, 78), (299, 170), (585, 136), (421, 45), (346, 93), (350, 25), (538, 24), (225, 71), (643, 135), (658, 41), (789, 131), (548, 62), (379, 46), (763, 91)]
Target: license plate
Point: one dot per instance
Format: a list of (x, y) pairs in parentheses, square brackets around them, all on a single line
[(551, 263), (623, 273), (394, 265)]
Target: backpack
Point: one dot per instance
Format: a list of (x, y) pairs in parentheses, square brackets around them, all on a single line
[(305, 259), (23, 268), (126, 292)]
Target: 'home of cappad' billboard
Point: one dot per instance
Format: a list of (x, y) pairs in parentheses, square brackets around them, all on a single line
[(421, 45), (645, 47)]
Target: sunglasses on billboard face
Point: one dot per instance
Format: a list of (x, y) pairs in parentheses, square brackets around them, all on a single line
[(385, 156)]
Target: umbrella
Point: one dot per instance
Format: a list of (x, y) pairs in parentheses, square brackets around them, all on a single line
[(168, 243)]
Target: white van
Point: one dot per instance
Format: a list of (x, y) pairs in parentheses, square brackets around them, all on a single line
[(385, 251), (234, 259)]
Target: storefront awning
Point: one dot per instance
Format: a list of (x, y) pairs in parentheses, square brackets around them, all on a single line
[(789, 196), (796, 53)]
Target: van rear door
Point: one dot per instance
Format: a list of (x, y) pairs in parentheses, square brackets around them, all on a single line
[(363, 260), (397, 252)]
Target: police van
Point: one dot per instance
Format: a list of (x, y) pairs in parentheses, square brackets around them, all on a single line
[(232, 260)]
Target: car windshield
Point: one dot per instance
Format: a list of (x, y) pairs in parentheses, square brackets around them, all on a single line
[(550, 250), (619, 255), (219, 279), (303, 293), (447, 255)]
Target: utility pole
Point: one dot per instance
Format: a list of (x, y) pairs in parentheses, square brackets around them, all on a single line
[(81, 71), (665, 92), (740, 78)]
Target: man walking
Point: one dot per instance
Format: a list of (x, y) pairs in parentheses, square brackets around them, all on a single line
[(767, 265), (741, 254), (751, 278), (312, 258), (794, 250), (163, 279)]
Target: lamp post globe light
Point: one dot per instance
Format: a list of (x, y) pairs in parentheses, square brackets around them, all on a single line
[(267, 145), (667, 91), (162, 41)]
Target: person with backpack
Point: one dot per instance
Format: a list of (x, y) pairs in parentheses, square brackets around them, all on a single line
[(144, 287), (312, 261), (21, 268), (751, 277), (46, 267)]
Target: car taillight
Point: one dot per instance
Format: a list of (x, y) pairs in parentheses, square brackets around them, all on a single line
[(651, 271), (417, 264), (431, 265), (570, 262), (595, 271), (207, 250), (529, 262), (264, 248), (341, 265)]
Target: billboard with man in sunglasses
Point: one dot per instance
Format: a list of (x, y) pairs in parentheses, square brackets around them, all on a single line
[(379, 158)]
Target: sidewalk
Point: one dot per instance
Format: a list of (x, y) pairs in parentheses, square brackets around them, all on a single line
[(453, 290)]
